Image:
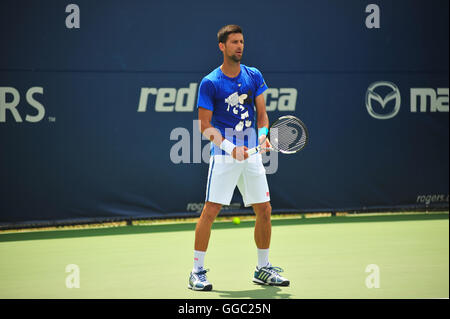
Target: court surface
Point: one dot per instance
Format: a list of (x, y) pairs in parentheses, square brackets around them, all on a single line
[(405, 256)]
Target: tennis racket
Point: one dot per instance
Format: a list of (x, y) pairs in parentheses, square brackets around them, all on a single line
[(288, 135)]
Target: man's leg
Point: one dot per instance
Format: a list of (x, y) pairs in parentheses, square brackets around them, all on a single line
[(197, 278), (222, 178), (203, 228), (263, 225), (263, 231), (255, 192), (265, 273)]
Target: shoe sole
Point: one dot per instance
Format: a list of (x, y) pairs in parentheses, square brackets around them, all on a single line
[(260, 282), (206, 288)]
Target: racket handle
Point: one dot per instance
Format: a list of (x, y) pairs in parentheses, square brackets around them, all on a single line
[(253, 151)]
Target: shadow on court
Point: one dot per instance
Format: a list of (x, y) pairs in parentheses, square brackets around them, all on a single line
[(158, 228), (260, 292)]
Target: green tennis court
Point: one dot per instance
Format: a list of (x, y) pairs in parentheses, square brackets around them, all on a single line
[(323, 258)]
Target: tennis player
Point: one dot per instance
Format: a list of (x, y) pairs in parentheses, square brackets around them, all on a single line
[(230, 108)]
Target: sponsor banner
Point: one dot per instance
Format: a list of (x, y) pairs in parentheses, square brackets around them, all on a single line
[(421, 100), (77, 145)]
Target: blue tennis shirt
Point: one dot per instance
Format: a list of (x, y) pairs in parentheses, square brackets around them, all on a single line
[(232, 101)]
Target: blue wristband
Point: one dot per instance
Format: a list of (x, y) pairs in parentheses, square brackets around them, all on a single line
[(263, 131)]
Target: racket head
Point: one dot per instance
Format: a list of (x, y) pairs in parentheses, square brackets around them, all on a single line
[(288, 135)]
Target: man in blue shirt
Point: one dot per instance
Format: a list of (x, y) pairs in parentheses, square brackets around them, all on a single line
[(231, 107)]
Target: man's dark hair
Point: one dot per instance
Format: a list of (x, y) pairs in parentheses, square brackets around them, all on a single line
[(223, 33)]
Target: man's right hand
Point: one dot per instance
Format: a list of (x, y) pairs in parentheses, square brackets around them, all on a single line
[(240, 153)]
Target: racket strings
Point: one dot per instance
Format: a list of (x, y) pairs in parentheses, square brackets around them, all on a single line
[(288, 135)]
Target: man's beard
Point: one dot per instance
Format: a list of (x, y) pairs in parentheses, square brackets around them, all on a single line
[(235, 58)]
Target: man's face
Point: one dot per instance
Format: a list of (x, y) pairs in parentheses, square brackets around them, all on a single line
[(234, 47)]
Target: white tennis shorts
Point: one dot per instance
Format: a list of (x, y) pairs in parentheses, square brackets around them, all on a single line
[(225, 173)]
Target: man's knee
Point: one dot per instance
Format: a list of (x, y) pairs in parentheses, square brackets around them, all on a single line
[(211, 210), (263, 210)]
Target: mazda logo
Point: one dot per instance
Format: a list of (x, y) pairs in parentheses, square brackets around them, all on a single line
[(373, 97)]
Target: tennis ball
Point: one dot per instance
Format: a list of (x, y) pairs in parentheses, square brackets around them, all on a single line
[(236, 220)]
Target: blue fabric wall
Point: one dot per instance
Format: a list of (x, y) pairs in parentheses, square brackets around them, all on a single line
[(81, 136)]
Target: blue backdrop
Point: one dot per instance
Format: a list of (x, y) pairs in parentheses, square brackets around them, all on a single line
[(94, 120)]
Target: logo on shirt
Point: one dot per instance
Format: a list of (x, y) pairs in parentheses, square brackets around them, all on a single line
[(237, 105)]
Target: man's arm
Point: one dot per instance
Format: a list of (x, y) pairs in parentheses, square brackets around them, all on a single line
[(214, 135), (209, 131), (262, 120)]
